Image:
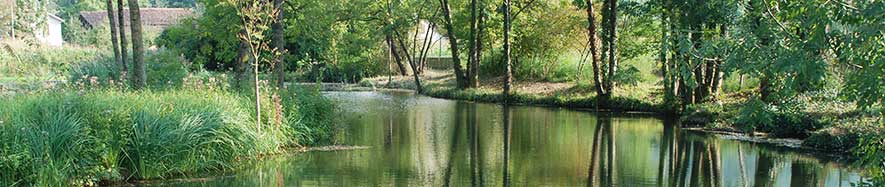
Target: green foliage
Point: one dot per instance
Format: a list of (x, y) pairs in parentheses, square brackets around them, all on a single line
[(872, 153), (344, 44), (165, 68), (311, 117), (754, 114), (44, 63), (69, 137)]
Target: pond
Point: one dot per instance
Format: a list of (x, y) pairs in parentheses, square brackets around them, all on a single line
[(420, 141)]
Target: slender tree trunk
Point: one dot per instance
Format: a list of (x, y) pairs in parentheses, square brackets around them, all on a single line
[(255, 61), (662, 57), (508, 72), (396, 57), (137, 45), (122, 30), (113, 26), (472, 61), (425, 46), (613, 46), (719, 75), (418, 86), (594, 49), (698, 63), (480, 30), (12, 18), (453, 45), (279, 45), (709, 71)]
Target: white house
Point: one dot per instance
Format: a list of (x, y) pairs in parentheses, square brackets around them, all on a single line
[(51, 34)]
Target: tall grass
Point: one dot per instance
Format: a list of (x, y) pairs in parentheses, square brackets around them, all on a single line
[(20, 61), (83, 137)]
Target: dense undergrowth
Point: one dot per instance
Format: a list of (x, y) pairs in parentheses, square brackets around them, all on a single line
[(81, 137), (89, 128), (20, 62)]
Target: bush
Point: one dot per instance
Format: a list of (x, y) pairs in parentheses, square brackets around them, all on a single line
[(872, 153), (754, 114), (786, 120)]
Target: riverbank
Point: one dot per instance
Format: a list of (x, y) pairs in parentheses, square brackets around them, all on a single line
[(817, 121), (566, 94), (107, 135)]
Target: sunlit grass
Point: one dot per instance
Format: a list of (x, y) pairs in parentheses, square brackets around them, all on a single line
[(81, 137)]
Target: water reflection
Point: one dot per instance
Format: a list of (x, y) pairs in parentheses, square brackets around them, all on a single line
[(419, 141)]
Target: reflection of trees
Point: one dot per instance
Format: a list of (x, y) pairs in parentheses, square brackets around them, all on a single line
[(603, 162), (456, 136), (689, 160), (507, 133), (476, 176)]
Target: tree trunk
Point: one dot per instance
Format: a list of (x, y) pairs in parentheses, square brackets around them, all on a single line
[(139, 73), (396, 57), (698, 63), (453, 45), (764, 88), (613, 46), (122, 30), (719, 75), (479, 33), (115, 43), (279, 45), (242, 61), (662, 58), (418, 86), (594, 49), (508, 72), (473, 63), (425, 47)]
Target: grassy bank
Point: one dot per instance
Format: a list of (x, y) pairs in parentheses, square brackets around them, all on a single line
[(85, 137), (68, 118), (22, 63)]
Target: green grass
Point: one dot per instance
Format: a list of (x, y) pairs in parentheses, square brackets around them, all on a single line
[(83, 137), (21, 62)]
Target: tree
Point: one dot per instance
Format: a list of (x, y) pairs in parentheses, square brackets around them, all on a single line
[(113, 26), (123, 44), (256, 17), (612, 44), (411, 64), (139, 76), (279, 44), (508, 72), (460, 78), (473, 54), (594, 49)]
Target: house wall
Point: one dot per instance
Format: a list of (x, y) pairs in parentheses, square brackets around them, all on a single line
[(51, 33), (53, 36)]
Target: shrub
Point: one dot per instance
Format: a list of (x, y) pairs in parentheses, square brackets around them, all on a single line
[(754, 114)]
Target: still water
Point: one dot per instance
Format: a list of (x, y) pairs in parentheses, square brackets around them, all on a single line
[(421, 141)]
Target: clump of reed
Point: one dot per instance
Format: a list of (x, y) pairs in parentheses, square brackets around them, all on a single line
[(86, 137)]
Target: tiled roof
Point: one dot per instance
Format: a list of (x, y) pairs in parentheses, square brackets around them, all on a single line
[(158, 17)]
